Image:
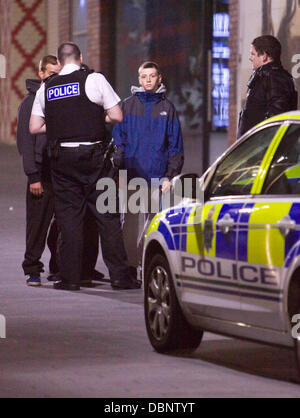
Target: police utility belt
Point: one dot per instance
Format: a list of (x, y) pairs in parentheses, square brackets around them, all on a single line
[(77, 144), (74, 146)]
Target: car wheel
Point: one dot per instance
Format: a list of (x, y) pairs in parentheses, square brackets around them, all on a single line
[(166, 326)]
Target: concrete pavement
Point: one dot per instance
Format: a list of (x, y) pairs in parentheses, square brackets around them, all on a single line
[(93, 343)]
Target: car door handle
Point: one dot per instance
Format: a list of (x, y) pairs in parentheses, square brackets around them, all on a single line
[(286, 224), (226, 223)]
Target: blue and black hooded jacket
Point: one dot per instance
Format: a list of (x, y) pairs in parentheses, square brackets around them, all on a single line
[(150, 136)]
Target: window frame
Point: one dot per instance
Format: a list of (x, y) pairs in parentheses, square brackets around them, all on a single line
[(212, 170), (78, 33), (288, 123)]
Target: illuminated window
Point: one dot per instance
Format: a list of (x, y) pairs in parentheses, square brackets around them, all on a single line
[(79, 25), (220, 70)]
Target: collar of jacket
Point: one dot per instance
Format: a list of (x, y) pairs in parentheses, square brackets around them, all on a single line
[(263, 71), (273, 65), (146, 97), (32, 86)]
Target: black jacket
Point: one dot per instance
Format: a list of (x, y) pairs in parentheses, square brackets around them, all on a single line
[(271, 91), (33, 148)]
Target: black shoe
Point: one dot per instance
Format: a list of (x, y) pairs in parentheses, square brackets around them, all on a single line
[(86, 283), (53, 277), (60, 285), (125, 284), (133, 272), (96, 275)]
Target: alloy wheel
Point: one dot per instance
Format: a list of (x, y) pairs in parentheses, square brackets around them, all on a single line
[(159, 311)]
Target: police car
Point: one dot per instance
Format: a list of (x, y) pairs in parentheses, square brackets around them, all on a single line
[(230, 264)]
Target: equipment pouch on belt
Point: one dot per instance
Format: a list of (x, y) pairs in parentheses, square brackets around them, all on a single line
[(53, 149)]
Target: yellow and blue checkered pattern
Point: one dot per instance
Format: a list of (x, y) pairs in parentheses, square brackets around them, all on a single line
[(255, 231)]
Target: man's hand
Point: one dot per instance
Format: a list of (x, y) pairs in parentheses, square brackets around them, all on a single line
[(166, 186), (36, 188)]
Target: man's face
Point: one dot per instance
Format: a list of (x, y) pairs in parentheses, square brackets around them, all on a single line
[(257, 60), (149, 79), (50, 70)]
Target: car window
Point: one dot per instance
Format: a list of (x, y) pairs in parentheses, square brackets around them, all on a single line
[(284, 173), (235, 174)]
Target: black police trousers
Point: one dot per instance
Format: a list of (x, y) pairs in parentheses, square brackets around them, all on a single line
[(75, 172), (39, 214)]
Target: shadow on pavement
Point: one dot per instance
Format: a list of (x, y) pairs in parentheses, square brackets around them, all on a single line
[(103, 289), (247, 357)]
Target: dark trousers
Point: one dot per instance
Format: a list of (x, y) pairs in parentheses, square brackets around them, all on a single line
[(39, 213), (52, 242), (39, 216), (75, 172)]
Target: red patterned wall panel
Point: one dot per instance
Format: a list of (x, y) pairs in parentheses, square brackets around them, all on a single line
[(5, 82), (28, 42)]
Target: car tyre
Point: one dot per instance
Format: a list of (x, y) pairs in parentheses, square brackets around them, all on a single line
[(167, 328)]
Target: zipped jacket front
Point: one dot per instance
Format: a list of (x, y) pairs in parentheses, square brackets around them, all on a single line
[(150, 136)]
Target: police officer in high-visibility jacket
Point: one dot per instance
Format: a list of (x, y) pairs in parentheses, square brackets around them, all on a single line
[(72, 108)]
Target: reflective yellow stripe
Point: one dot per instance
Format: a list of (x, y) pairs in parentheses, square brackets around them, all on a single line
[(262, 172), (293, 172), (198, 215), (282, 118), (265, 241), (153, 225)]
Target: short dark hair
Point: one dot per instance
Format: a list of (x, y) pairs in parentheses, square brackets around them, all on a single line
[(47, 59), (67, 51), (268, 44), (149, 64)]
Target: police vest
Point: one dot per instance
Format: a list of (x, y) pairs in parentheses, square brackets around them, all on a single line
[(69, 114)]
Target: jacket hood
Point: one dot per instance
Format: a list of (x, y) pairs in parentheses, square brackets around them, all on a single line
[(135, 89), (33, 85)]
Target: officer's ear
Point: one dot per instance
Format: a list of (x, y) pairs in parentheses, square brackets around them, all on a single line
[(265, 58), (81, 59), (41, 74)]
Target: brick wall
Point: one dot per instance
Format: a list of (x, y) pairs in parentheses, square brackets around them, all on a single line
[(93, 42), (53, 14), (233, 67), (107, 38), (100, 15), (64, 20)]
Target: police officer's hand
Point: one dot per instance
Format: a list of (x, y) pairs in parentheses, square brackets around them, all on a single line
[(166, 186), (36, 188)]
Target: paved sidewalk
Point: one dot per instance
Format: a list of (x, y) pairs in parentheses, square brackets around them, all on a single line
[(93, 343)]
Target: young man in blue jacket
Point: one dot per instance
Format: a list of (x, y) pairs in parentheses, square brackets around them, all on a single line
[(150, 140)]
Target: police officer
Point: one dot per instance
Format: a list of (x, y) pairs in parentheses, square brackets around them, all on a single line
[(75, 105)]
